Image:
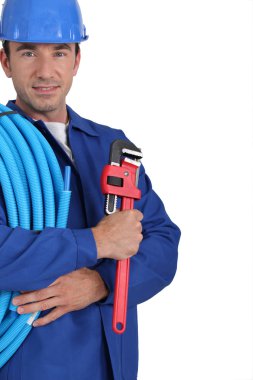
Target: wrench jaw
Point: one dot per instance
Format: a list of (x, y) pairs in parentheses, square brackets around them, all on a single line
[(134, 155), (110, 204), (121, 148), (122, 151)]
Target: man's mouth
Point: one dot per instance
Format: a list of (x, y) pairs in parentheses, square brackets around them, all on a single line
[(45, 89)]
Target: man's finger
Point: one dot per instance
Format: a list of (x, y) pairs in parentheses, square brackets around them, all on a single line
[(36, 295), (139, 215), (46, 304), (50, 317)]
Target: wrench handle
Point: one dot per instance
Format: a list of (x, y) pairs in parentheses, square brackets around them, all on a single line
[(121, 296), (121, 283)]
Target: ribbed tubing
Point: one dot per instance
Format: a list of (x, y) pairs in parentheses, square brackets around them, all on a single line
[(12, 211), (35, 198), (18, 187), (30, 166)]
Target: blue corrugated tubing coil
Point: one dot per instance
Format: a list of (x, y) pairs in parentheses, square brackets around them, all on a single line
[(36, 196)]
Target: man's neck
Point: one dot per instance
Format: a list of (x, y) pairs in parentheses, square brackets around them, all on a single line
[(60, 116)]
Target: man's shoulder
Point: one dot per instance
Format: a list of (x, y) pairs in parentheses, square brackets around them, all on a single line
[(92, 127), (101, 128)]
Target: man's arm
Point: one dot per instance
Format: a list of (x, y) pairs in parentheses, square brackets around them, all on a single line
[(117, 236), (31, 260)]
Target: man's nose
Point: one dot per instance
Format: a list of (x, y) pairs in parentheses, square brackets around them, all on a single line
[(44, 68)]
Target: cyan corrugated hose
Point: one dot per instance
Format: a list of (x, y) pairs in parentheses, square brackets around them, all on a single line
[(36, 196)]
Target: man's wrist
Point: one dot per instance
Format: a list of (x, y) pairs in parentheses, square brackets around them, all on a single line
[(97, 241), (103, 289)]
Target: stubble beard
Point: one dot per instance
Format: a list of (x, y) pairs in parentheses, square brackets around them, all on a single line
[(40, 106)]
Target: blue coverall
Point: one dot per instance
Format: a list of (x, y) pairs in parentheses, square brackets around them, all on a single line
[(81, 345)]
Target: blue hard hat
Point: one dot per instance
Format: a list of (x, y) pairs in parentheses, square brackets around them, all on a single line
[(42, 21)]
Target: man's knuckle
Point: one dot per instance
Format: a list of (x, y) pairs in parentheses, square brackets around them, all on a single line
[(62, 289), (130, 250), (140, 215), (137, 225), (134, 248), (44, 306), (131, 214)]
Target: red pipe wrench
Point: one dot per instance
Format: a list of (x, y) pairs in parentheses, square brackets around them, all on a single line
[(120, 178)]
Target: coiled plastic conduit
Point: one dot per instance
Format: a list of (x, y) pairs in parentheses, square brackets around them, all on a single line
[(36, 196)]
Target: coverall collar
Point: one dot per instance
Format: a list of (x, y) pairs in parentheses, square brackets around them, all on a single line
[(76, 120)]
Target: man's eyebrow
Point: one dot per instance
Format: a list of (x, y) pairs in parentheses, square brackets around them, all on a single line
[(62, 46), (28, 46)]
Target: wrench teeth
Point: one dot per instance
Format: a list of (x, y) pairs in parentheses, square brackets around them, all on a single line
[(110, 203)]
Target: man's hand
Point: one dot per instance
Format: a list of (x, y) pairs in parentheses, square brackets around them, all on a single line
[(118, 235), (70, 292)]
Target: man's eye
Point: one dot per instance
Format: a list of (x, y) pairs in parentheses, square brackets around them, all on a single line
[(28, 54), (60, 54)]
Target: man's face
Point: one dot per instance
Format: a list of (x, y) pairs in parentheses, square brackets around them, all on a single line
[(42, 74)]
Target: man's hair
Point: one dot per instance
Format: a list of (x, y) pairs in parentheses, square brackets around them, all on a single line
[(6, 48)]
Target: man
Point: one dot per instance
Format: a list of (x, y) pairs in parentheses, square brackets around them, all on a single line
[(73, 338)]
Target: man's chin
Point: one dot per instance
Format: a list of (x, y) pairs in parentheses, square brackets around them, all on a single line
[(34, 105), (45, 107)]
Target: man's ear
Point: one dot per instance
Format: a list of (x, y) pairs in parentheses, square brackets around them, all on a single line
[(77, 62), (5, 63)]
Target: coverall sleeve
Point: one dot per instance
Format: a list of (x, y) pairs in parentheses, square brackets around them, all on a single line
[(154, 266), (31, 260)]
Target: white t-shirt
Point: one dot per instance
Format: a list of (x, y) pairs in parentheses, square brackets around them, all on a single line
[(60, 132)]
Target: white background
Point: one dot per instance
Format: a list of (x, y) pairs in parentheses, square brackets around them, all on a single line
[(176, 76)]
